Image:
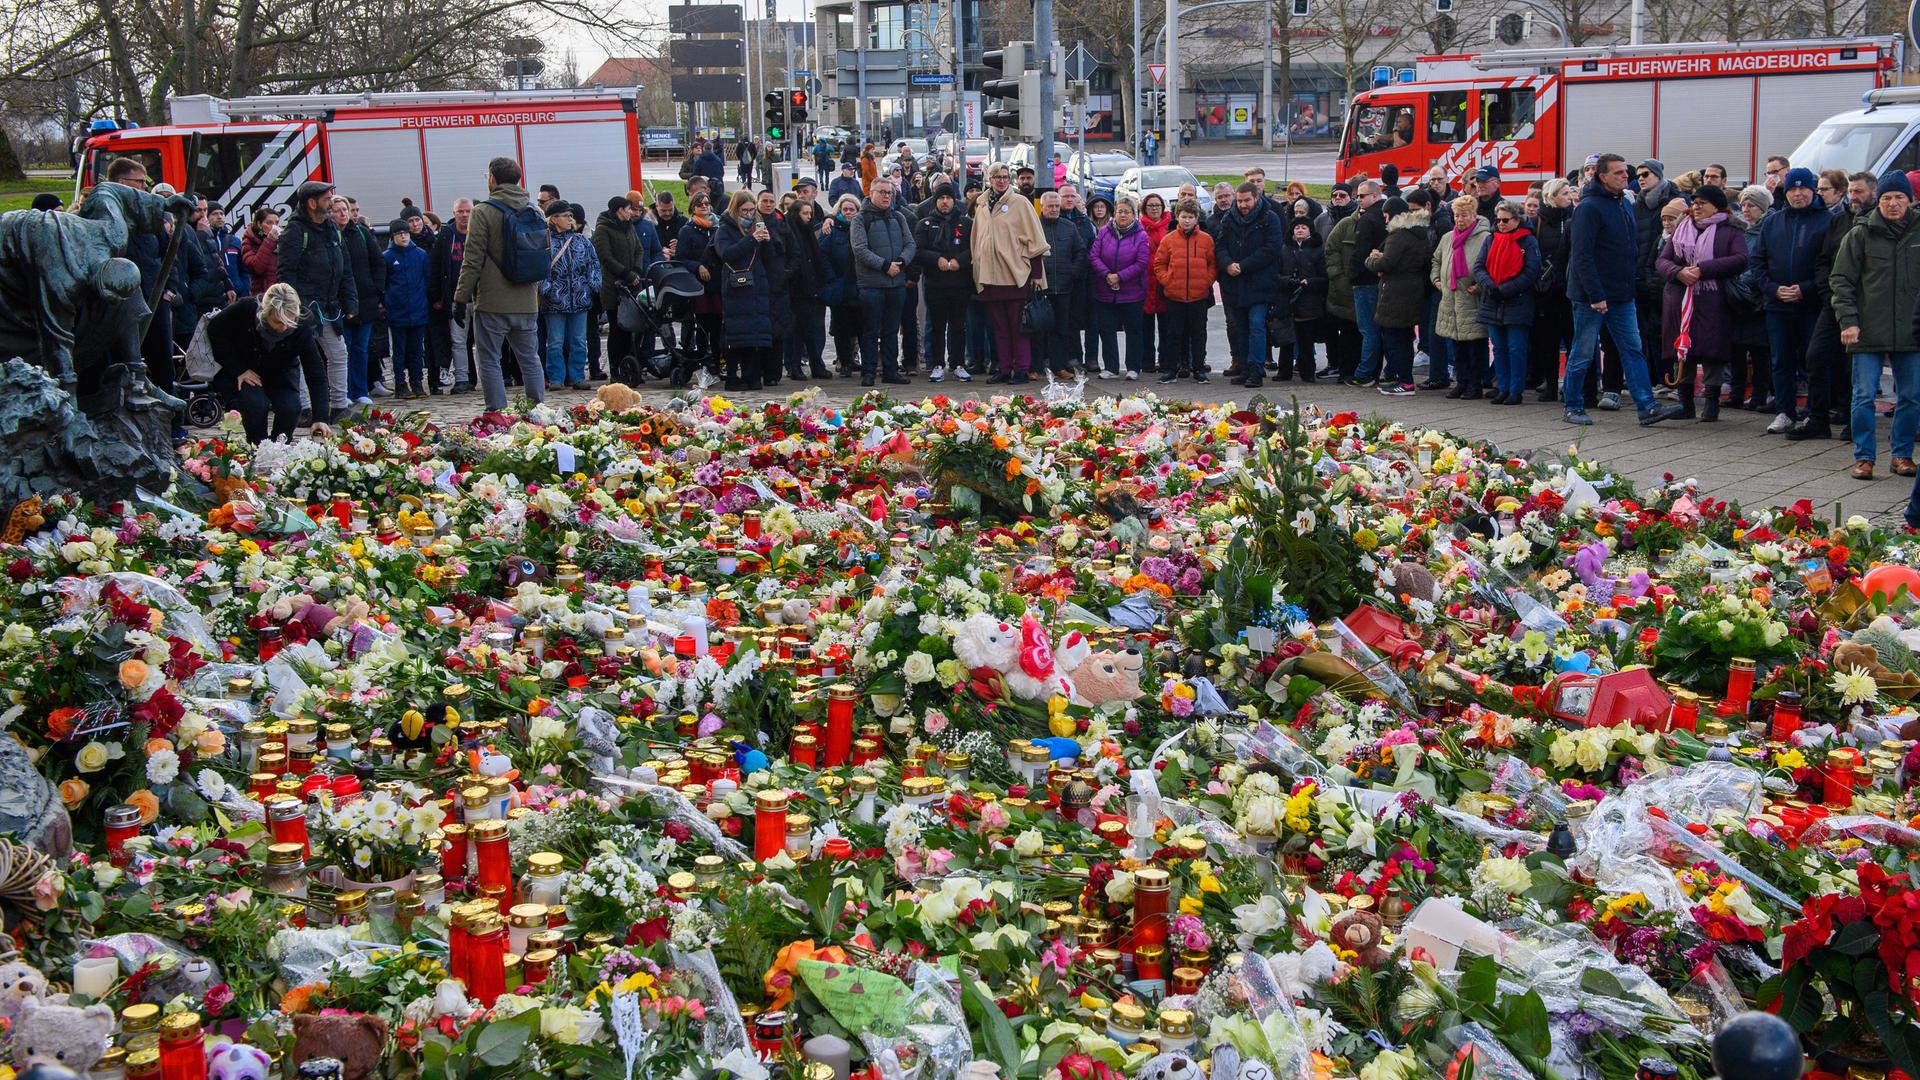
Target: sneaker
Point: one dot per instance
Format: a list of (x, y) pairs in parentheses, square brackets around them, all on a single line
[(1404, 389), (1609, 402), (1108, 375), (1577, 416), (1200, 377), (1170, 376), (380, 390), (1421, 359), (363, 400), (1662, 412), (1328, 373), (1360, 382), (938, 374), (963, 374), (1133, 376), (1666, 393), (1781, 423)]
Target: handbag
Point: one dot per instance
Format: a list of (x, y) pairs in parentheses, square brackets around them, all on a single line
[(743, 277), (1036, 315), (1544, 283)]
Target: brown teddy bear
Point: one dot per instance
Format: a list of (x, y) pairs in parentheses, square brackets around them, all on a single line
[(618, 397), (356, 1039), (1107, 675), (1358, 932)]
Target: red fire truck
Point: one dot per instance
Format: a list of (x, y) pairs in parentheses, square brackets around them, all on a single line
[(1537, 114), (430, 147)]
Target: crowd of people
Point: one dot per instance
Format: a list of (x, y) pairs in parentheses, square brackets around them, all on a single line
[(1616, 284)]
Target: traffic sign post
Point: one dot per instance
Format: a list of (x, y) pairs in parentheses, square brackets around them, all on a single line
[(1159, 73), (921, 79)]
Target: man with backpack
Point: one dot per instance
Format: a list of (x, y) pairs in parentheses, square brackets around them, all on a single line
[(509, 251)]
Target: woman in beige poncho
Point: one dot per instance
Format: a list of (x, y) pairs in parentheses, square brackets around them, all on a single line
[(1009, 252)]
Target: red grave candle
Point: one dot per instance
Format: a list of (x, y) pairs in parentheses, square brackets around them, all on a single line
[(840, 699), (489, 840), (769, 823)]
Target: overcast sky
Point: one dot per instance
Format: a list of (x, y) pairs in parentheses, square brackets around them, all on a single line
[(590, 49)]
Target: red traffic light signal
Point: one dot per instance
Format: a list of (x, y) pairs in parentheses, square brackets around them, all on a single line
[(797, 98)]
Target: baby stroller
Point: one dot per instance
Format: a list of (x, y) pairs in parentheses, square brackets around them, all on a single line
[(196, 369), (659, 316)]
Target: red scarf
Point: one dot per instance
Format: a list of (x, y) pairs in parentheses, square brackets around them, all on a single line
[(1505, 259)]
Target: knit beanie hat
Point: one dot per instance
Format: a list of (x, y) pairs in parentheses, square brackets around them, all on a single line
[(1894, 181), (1711, 194), (1655, 166), (1799, 178), (397, 226)]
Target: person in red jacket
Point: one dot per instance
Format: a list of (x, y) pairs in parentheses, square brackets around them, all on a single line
[(259, 249), (1183, 274), (1155, 220)]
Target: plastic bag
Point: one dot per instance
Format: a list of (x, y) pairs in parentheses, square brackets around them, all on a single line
[(188, 973), (1620, 839), (1573, 972)]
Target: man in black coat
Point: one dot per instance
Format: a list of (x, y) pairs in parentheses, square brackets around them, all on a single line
[(452, 338), (365, 380), (1370, 233), (943, 243), (313, 259)]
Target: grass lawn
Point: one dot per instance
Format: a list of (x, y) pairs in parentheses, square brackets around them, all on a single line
[(18, 194)]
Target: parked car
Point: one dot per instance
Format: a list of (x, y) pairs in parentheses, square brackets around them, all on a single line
[(1164, 181), (1099, 172)]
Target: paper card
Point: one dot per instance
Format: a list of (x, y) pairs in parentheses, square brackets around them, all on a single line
[(564, 456), (858, 999)]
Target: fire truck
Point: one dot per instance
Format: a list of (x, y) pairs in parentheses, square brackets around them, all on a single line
[(1537, 114), (430, 147)]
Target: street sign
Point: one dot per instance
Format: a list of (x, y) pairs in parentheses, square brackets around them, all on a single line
[(716, 53), (930, 80), (717, 88), (1159, 73), (705, 19), (1080, 63), (803, 73)]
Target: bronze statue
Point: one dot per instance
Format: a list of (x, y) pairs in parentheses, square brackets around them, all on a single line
[(78, 411)]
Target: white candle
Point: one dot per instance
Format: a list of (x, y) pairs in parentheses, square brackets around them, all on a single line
[(95, 975)]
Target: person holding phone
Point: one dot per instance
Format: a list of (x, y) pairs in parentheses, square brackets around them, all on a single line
[(746, 307)]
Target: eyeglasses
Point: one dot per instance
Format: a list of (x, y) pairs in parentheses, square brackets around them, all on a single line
[(1504, 221), (1644, 173)]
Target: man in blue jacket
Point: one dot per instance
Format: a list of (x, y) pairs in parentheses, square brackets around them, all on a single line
[(1600, 282), (1781, 262), (707, 163)]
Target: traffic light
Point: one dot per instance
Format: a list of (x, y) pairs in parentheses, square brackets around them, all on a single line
[(1442, 6), (796, 107), (1299, 9), (776, 114), (1005, 91)]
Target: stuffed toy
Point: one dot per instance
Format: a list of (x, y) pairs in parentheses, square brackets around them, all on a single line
[(19, 984), (1358, 932), (238, 1061), (61, 1035), (1107, 675), (1413, 581), (1037, 672), (1226, 1064), (989, 648), (618, 397), (1171, 1066), (356, 1039)]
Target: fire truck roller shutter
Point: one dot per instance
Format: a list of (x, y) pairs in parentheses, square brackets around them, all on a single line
[(457, 161), (379, 168), (1703, 121), (1791, 106), (1605, 118), (586, 160)]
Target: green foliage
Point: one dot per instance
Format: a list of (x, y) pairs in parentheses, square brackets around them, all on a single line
[(1296, 535)]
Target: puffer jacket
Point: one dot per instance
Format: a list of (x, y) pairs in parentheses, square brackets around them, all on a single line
[(1068, 248), (945, 236), (313, 259), (1458, 317), (1183, 266), (1303, 272), (1339, 258), (574, 278), (1511, 302), (1876, 282), (368, 268), (881, 237), (746, 312), (1401, 268), (841, 287), (406, 292), (1253, 240), (1128, 255), (259, 253), (1785, 251)]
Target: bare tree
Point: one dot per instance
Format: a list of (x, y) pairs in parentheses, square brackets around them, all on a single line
[(1106, 27), (1365, 31)]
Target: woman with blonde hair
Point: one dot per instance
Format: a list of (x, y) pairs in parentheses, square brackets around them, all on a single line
[(262, 346), (1458, 317)]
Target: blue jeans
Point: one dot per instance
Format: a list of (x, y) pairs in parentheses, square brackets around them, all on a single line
[(1366, 300), (1906, 401), (357, 338), (1623, 323), (1788, 334), (409, 355), (1109, 320), (1509, 357), (1250, 322), (566, 345)]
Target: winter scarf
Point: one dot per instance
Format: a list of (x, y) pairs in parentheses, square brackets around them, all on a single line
[(1460, 271), (1692, 242), (1505, 258)]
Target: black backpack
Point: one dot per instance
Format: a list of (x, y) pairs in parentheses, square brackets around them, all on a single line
[(527, 244)]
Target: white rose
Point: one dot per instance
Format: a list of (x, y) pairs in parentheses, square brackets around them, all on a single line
[(1591, 754), (937, 910), (1029, 843), (918, 668), (1120, 889), (1509, 875)]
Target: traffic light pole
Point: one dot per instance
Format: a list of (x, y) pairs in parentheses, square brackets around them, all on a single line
[(793, 133), (1043, 40)]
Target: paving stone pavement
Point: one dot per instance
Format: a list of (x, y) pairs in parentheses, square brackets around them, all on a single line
[(1733, 459)]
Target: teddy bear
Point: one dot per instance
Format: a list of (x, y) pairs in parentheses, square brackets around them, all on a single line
[(1021, 658), (1107, 675), (62, 1035), (1413, 581), (618, 397), (355, 1039), (1173, 1065), (1226, 1064), (1358, 932), (238, 1061), (19, 984)]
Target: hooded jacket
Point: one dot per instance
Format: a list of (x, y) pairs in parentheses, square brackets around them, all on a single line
[(1876, 282), (1303, 275), (945, 236), (1458, 316), (1129, 256), (1184, 266), (1603, 250), (623, 248), (369, 269), (879, 237), (1156, 232), (406, 291), (574, 277), (482, 282), (1339, 243), (1785, 253), (1401, 268), (260, 256), (313, 259), (1253, 239), (1069, 243)]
